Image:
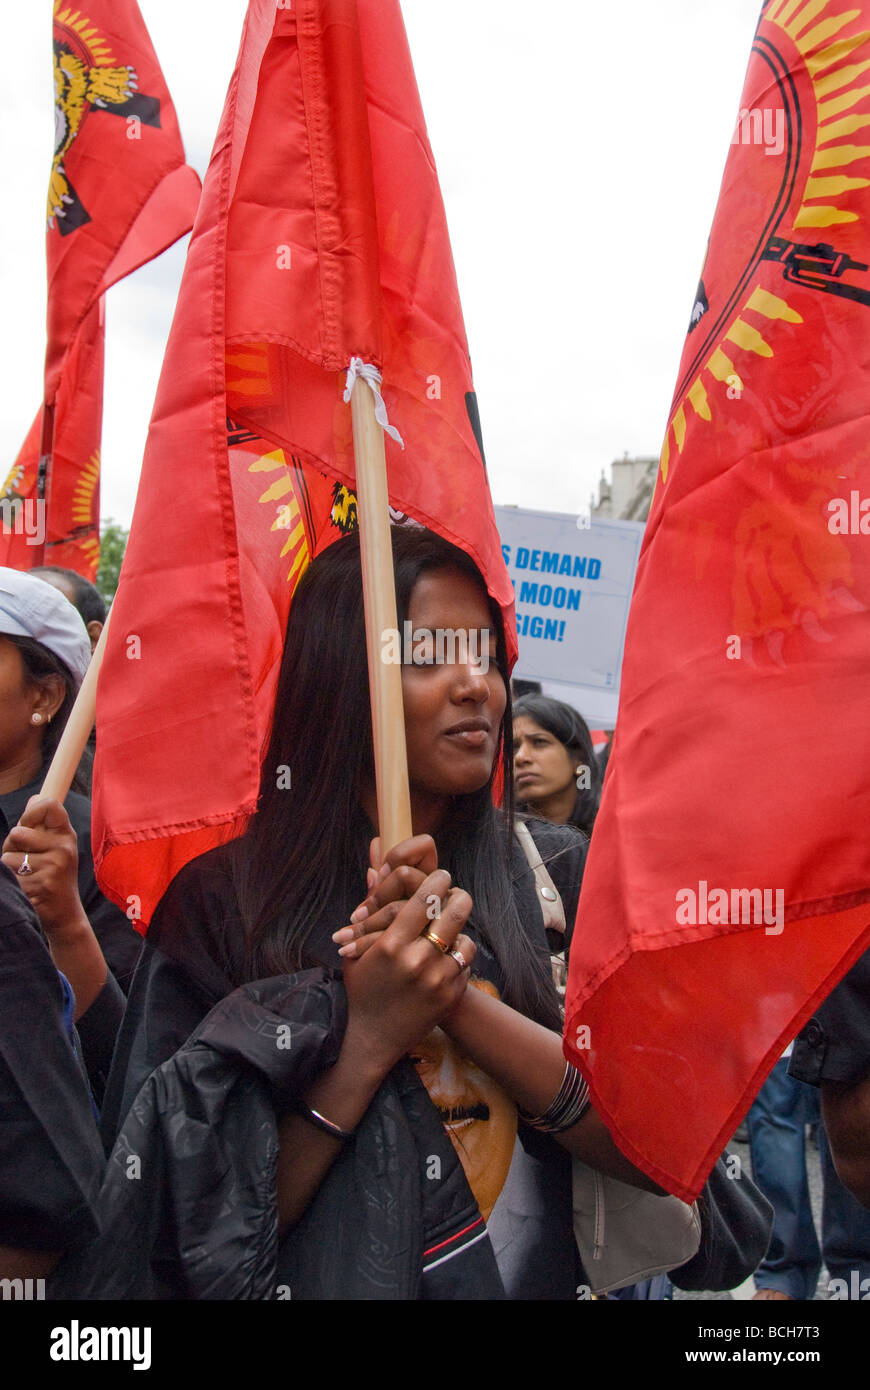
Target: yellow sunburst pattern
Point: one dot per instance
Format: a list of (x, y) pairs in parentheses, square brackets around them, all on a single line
[(309, 508), (835, 54), (247, 374), (247, 370), (90, 549), (838, 64), (282, 496), (17, 479), (97, 44), (83, 510), (745, 339)]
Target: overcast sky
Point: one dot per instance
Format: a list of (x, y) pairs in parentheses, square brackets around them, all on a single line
[(580, 146)]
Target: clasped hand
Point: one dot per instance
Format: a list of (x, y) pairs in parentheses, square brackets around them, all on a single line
[(399, 983)]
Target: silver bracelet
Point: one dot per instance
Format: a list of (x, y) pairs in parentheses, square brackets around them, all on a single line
[(319, 1121), (568, 1107)]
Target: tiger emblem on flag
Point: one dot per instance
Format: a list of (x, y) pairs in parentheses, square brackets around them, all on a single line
[(87, 78), (343, 513), (75, 87)]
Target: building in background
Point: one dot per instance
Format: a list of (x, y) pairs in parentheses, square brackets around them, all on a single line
[(627, 496)]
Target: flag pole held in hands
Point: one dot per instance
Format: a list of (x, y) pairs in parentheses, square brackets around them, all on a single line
[(379, 595), (67, 757)]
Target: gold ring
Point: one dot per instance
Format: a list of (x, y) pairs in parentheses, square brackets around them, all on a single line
[(460, 960), (24, 866), (442, 946)]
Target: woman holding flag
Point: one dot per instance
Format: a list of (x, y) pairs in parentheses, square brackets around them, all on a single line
[(456, 906), (280, 1142)]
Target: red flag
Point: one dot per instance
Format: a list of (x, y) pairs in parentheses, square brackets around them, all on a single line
[(320, 237), (120, 191), (728, 884), (119, 194), (67, 533)]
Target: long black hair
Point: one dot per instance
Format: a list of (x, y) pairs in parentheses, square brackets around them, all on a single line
[(572, 731), (308, 843), (40, 665)]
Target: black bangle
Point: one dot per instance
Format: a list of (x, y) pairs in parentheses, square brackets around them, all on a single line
[(322, 1123), (567, 1108)]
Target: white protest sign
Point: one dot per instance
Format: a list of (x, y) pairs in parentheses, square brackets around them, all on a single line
[(573, 579)]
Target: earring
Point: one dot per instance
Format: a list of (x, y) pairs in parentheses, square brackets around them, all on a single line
[(36, 717)]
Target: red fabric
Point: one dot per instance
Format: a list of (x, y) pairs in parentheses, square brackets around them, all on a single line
[(119, 194), (20, 528), (320, 236), (120, 191), (70, 526), (742, 745)]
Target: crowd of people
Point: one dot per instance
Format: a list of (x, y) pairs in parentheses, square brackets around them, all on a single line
[(336, 1071)]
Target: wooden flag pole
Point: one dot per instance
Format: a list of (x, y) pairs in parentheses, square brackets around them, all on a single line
[(58, 779), (379, 595), (385, 679)]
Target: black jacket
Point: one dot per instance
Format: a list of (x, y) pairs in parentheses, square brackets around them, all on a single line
[(386, 1223), (51, 1161), (177, 1005), (118, 938)]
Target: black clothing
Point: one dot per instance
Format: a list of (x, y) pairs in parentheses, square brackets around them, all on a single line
[(204, 1129), (194, 959), (193, 956), (97, 1030), (835, 1044), (51, 1162), (118, 938), (736, 1221)]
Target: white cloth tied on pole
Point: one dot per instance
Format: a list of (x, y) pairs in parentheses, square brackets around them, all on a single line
[(370, 374)]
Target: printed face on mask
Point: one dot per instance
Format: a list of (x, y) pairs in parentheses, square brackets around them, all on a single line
[(480, 1119)]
